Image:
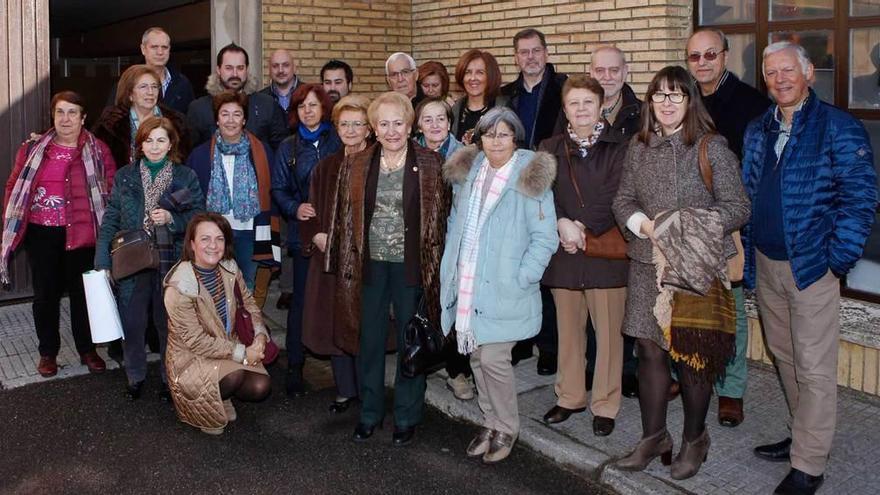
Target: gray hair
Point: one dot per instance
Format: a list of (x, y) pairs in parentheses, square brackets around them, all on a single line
[(154, 29), (725, 45), (802, 56), (608, 48), (394, 56), (497, 116)]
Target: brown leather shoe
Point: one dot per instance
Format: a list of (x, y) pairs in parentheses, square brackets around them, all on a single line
[(674, 390), (93, 361), (730, 411), (48, 366)]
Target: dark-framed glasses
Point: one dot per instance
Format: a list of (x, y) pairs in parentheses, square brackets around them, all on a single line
[(673, 97)]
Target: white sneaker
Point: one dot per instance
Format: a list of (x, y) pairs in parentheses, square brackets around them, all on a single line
[(461, 386)]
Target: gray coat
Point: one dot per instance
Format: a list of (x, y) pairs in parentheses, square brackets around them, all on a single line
[(665, 175)]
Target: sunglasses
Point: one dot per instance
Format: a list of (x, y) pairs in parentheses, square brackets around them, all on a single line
[(709, 56)]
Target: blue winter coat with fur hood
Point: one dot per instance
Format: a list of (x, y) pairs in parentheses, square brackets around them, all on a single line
[(516, 244)]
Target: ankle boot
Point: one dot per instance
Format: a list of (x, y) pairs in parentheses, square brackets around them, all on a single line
[(658, 444), (691, 456)]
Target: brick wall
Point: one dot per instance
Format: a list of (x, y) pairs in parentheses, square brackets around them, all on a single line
[(361, 33), (652, 32)]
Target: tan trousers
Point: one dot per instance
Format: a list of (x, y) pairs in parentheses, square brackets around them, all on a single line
[(496, 386), (802, 329), (606, 308), (261, 285)]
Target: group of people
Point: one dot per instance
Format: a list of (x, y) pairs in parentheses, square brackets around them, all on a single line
[(554, 210)]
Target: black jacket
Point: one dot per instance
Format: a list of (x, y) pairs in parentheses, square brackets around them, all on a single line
[(268, 91), (732, 106), (265, 118), (549, 103)]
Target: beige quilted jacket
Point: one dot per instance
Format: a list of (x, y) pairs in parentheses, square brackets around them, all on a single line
[(198, 343)]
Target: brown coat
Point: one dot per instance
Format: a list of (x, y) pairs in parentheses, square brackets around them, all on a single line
[(597, 176), (319, 307), (198, 345), (425, 209)]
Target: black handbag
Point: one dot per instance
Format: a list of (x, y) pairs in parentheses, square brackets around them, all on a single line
[(423, 344), (133, 251)]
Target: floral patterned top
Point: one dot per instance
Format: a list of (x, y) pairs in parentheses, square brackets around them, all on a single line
[(386, 227), (50, 193)]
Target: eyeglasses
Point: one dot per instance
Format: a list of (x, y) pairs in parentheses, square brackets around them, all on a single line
[(709, 55), (354, 124), (673, 97), (403, 73), (500, 136), (525, 52)]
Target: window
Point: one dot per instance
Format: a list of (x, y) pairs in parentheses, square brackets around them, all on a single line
[(842, 38)]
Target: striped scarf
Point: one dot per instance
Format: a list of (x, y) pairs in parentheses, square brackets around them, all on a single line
[(213, 282), (15, 216), (477, 213)]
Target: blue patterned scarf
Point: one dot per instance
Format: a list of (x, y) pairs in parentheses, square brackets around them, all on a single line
[(245, 203)]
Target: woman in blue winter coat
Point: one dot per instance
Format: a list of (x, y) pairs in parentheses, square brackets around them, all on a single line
[(313, 140), (501, 235)]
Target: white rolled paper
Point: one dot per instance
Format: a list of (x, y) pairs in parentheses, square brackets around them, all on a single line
[(103, 315)]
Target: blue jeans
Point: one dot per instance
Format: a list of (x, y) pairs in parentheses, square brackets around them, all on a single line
[(243, 243)]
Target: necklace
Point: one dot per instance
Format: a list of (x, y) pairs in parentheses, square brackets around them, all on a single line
[(391, 167)]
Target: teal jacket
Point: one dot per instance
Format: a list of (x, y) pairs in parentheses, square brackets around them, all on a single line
[(516, 244)]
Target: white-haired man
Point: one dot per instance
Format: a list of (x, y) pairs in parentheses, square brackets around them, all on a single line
[(808, 168), (402, 73)]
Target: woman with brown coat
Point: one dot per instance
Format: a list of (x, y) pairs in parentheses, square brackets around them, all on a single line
[(385, 244), (590, 155), (319, 332), (207, 365)]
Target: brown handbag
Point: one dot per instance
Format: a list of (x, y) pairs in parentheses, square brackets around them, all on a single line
[(132, 251), (736, 264), (610, 244)]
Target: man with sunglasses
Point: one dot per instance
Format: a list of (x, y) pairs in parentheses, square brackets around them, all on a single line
[(732, 104)]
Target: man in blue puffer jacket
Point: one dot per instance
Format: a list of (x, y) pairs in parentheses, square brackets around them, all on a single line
[(808, 169)]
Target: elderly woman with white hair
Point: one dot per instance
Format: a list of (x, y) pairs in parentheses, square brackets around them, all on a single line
[(502, 233)]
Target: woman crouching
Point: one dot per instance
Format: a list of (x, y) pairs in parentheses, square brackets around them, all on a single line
[(207, 365), (502, 233)]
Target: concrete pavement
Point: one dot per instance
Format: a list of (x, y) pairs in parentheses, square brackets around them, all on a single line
[(731, 467)]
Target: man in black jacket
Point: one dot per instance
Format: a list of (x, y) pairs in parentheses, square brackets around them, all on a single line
[(535, 94), (535, 97), (621, 108), (282, 72), (265, 118), (177, 91), (732, 105)]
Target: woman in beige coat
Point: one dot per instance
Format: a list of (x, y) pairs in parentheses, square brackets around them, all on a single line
[(206, 363)]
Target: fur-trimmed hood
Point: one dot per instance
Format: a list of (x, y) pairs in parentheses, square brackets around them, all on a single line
[(214, 87), (182, 276), (535, 177)]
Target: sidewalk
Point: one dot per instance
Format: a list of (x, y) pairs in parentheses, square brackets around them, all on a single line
[(730, 469)]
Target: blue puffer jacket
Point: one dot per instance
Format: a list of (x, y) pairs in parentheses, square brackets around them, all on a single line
[(292, 172), (516, 244), (829, 189)]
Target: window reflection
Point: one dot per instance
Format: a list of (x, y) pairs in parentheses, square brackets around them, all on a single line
[(864, 7), (714, 12), (864, 63), (788, 10), (866, 274)]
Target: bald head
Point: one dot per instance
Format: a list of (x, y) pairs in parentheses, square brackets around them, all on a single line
[(608, 66), (282, 69)]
